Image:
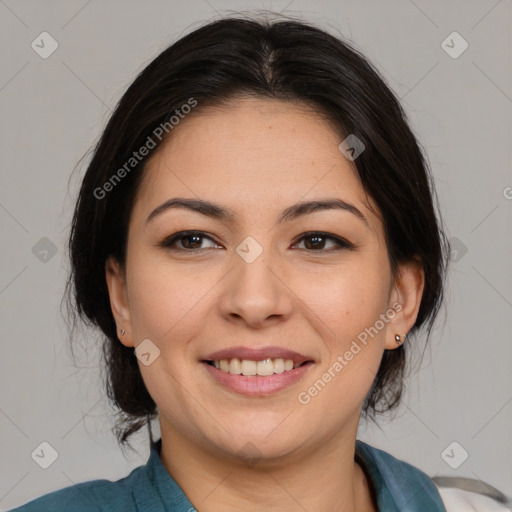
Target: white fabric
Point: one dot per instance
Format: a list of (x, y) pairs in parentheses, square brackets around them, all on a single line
[(458, 500)]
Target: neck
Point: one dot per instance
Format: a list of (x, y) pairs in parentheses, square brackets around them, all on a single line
[(321, 478)]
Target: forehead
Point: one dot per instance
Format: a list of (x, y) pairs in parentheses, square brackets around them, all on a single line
[(253, 155)]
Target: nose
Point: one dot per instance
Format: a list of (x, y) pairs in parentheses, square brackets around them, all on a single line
[(255, 293)]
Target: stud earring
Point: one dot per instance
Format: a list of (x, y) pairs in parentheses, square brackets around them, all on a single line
[(398, 339), (122, 332)]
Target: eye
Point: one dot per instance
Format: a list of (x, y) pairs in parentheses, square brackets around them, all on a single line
[(189, 241), (318, 240)]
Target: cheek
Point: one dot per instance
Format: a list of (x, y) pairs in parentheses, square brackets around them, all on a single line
[(164, 302), (167, 307), (350, 299), (352, 305)]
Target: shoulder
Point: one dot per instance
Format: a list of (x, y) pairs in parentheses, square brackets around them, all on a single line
[(410, 486), (394, 469), (92, 496), (398, 484)]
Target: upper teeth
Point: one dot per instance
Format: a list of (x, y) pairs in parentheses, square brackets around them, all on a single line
[(248, 367)]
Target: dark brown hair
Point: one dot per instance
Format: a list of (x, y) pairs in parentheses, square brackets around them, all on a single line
[(287, 60)]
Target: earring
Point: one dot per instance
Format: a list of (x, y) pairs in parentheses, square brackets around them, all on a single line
[(398, 339), (122, 332)]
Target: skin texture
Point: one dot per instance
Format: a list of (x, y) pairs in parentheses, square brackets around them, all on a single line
[(226, 450)]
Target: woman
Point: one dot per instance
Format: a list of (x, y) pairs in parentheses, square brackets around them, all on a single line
[(256, 237)]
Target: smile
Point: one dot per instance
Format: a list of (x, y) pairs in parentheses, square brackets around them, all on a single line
[(260, 371)]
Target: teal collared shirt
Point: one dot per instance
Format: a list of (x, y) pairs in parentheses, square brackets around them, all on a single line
[(397, 486)]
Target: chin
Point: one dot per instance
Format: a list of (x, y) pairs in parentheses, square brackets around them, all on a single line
[(249, 446)]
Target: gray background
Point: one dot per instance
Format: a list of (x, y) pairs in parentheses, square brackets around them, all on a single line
[(52, 110)]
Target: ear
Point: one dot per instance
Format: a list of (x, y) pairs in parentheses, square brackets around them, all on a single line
[(116, 283), (405, 300)]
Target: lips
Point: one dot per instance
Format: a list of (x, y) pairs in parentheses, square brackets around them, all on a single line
[(257, 372)]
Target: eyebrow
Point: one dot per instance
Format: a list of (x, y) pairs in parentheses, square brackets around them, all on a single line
[(226, 214)]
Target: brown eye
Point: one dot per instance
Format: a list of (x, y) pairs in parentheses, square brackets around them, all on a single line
[(186, 241), (316, 241)]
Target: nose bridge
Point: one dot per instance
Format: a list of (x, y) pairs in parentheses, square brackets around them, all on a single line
[(255, 290)]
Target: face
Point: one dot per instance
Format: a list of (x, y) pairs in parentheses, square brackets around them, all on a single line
[(316, 282)]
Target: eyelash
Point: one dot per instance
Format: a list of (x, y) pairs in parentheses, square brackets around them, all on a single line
[(168, 242)]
